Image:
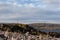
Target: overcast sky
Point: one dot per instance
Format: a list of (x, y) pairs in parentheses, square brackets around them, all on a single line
[(30, 11)]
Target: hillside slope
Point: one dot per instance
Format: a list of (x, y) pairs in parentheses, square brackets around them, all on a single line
[(46, 26)]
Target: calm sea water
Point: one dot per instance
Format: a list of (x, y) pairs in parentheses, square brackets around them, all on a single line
[(58, 31)]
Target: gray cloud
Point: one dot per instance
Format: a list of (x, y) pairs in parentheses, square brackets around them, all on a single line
[(51, 4), (49, 13)]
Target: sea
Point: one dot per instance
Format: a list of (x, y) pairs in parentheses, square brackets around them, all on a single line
[(58, 30)]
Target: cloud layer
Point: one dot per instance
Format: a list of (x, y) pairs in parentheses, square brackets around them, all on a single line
[(29, 11)]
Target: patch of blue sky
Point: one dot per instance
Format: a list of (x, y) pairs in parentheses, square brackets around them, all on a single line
[(3, 0), (23, 2), (26, 1)]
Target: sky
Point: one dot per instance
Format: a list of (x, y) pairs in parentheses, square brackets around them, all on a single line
[(30, 11)]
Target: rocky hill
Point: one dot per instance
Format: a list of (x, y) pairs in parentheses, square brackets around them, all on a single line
[(34, 28)]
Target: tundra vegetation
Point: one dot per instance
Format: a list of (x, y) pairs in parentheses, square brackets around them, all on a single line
[(32, 29)]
